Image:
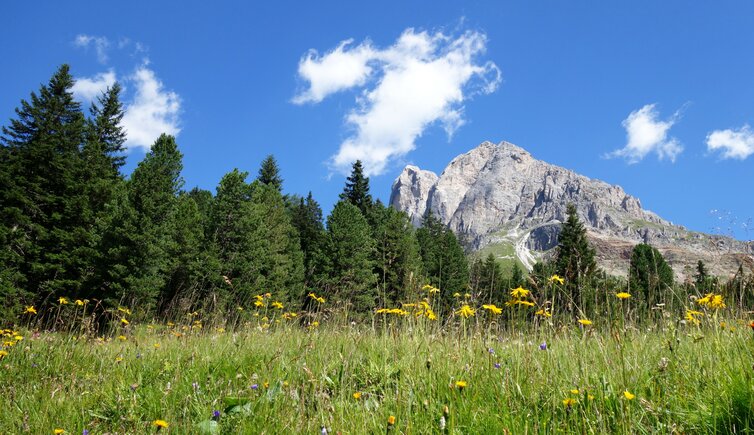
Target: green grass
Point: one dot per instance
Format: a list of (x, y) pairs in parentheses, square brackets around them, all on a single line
[(505, 254), (686, 379)]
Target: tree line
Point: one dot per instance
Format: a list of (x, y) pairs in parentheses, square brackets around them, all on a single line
[(73, 225)]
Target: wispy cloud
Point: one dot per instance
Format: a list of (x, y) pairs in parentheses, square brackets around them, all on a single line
[(733, 144), (100, 43), (152, 111), (89, 88), (422, 79), (645, 134)]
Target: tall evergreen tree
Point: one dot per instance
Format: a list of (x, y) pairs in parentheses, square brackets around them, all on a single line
[(445, 264), (269, 173), (702, 276), (648, 273), (349, 252), (490, 285), (306, 217), (396, 257), (42, 197), (153, 190), (575, 257), (356, 190)]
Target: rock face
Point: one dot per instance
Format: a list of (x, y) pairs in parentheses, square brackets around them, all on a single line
[(500, 195)]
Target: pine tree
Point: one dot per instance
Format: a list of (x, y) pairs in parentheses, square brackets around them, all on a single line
[(356, 190), (42, 194), (648, 273), (349, 250), (445, 264), (575, 257), (491, 280), (517, 276), (701, 277), (153, 190), (396, 257), (306, 217), (281, 266), (269, 173), (105, 128)]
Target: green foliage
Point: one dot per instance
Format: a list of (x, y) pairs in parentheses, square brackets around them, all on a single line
[(42, 195), (488, 281), (396, 257), (649, 274), (356, 190), (349, 250), (575, 257), (445, 264), (269, 173)]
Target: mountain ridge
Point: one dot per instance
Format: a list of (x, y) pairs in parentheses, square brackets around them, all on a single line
[(500, 195)]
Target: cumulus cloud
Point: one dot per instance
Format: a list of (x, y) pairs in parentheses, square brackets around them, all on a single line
[(645, 134), (420, 80), (89, 88), (734, 144), (100, 44), (152, 111)]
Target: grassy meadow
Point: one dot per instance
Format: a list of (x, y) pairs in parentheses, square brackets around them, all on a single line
[(478, 372)]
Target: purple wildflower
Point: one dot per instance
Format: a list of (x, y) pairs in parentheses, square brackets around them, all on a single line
[(543, 346), (254, 386), (215, 415), (491, 351), (85, 432), (497, 365)]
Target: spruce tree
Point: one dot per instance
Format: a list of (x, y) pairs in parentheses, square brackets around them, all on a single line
[(445, 264), (306, 217), (648, 274), (490, 284), (42, 195), (269, 173), (153, 190), (349, 251), (701, 277), (575, 257), (356, 190), (396, 257)]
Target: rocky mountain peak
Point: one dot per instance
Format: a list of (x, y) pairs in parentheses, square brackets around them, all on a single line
[(499, 195)]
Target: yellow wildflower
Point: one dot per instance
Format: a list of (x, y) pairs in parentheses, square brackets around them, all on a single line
[(466, 312), (160, 423), (122, 338), (58, 431), (30, 310), (124, 310), (456, 295), (492, 309), (79, 302), (63, 300), (585, 322), (124, 321), (461, 385), (568, 402), (3, 354), (628, 395), (622, 295), (391, 420), (544, 312), (574, 391), (357, 395), (556, 278), (519, 293), (258, 303)]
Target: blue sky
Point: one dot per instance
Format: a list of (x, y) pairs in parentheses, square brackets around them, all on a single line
[(653, 96)]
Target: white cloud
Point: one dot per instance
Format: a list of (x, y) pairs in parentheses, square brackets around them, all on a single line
[(89, 88), (645, 134), (152, 111), (734, 144), (421, 79), (100, 43)]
